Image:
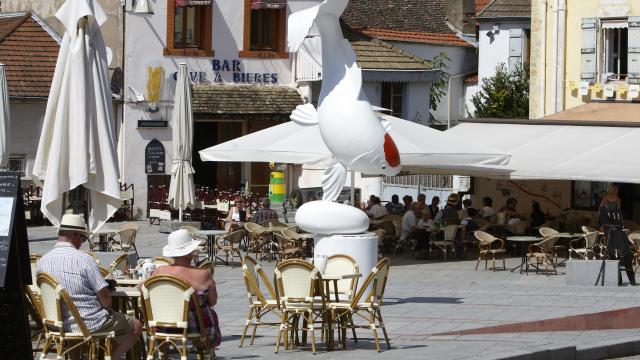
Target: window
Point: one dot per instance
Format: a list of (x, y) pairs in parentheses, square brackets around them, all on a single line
[(265, 29), (18, 163), (586, 195), (392, 98), (615, 51), (189, 28)]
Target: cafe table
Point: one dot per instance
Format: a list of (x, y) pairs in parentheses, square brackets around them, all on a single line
[(103, 237), (328, 279), (522, 241), (211, 243)]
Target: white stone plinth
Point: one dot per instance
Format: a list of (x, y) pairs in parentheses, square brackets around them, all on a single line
[(585, 272), (362, 247)]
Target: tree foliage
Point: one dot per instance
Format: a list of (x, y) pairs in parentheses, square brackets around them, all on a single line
[(504, 95), (439, 88)]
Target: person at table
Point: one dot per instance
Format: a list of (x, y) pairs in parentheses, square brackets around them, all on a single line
[(422, 204), (434, 207), (487, 211), (237, 216), (265, 212), (509, 209), (423, 231), (536, 219), (180, 247), (611, 197), (377, 211), (370, 202), (469, 224), (394, 207), (79, 275), (407, 200), (409, 222), (450, 214), (466, 206)]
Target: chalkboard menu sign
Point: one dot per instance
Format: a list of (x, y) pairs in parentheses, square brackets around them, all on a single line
[(154, 158), (15, 270)]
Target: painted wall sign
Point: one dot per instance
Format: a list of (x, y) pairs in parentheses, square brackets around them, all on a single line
[(230, 70), (154, 158)]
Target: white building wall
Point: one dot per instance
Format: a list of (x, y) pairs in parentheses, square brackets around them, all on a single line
[(26, 119), (145, 39), (462, 60)]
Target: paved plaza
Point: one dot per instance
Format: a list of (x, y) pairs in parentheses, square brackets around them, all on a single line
[(424, 298)]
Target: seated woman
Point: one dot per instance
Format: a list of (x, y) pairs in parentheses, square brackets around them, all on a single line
[(180, 247), (237, 216)]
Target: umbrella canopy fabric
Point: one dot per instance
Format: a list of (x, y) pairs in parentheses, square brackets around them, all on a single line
[(422, 149), (181, 192), (77, 143), (5, 123)]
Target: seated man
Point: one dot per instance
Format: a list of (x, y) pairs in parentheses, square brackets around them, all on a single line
[(79, 275), (409, 222), (377, 211), (265, 212)]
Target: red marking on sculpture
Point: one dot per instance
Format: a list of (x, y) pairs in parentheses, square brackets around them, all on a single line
[(391, 152)]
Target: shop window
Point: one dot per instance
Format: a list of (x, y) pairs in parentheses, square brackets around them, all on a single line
[(265, 29), (392, 98), (615, 50), (189, 28)]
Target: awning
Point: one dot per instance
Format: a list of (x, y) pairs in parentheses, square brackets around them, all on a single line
[(245, 99), (182, 3), (560, 151), (615, 24), (268, 4)]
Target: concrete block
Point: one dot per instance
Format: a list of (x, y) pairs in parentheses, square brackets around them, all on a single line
[(585, 272)]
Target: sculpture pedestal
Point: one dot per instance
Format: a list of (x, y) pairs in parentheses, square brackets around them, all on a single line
[(362, 247)]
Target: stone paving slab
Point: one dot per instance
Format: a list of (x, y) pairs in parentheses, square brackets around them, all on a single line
[(426, 297)]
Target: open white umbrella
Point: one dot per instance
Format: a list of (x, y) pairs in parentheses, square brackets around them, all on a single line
[(422, 149), (77, 143), (5, 123), (181, 192)]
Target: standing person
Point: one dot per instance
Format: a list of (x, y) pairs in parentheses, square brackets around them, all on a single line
[(537, 217), (434, 206), (377, 211), (79, 275), (180, 247), (486, 211), (394, 207), (265, 212), (611, 198)]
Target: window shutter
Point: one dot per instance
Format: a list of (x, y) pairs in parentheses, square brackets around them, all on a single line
[(515, 48), (634, 50), (588, 49)]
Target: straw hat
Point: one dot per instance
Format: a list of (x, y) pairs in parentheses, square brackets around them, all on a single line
[(179, 243), (453, 199), (73, 222)]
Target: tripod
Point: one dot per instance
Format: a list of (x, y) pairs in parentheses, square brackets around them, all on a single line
[(605, 257)]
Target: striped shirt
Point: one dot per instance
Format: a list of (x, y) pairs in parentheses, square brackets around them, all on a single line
[(80, 276)]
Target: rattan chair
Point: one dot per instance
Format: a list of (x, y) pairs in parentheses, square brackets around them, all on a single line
[(297, 294), (343, 264), (273, 222), (55, 301), (34, 309), (124, 240), (380, 235), (162, 261), (634, 238), (33, 261), (368, 301), (541, 253), (489, 247), (258, 239), (167, 301), (449, 234), (586, 251), (287, 248), (548, 232), (207, 265), (202, 250), (230, 245), (93, 256), (120, 263), (259, 304)]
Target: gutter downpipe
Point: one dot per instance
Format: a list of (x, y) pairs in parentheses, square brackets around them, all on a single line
[(562, 8), (554, 56), (543, 57)]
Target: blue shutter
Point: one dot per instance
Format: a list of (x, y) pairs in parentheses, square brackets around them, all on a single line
[(588, 50), (634, 50), (515, 48)]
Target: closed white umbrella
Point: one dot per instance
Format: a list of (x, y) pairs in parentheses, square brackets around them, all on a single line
[(77, 143), (5, 123), (181, 192), (121, 152)]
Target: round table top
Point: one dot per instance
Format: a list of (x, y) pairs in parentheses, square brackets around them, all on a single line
[(211, 232), (568, 235), (524, 238)]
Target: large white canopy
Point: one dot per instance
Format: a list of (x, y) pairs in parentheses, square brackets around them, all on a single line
[(5, 124), (77, 143), (181, 192), (421, 148), (567, 152)]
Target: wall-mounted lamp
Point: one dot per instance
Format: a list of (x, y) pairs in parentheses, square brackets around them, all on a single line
[(142, 7)]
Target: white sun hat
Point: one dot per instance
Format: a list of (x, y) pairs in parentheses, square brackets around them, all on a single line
[(73, 222), (180, 243)]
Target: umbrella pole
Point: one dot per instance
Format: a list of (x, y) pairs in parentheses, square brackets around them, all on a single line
[(353, 191), (180, 214)]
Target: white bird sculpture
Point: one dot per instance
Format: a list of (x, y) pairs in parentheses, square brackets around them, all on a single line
[(353, 133)]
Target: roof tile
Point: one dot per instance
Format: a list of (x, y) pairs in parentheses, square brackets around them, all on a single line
[(245, 99), (421, 37), (506, 8)]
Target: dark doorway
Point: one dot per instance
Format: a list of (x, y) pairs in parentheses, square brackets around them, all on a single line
[(229, 174), (204, 136)]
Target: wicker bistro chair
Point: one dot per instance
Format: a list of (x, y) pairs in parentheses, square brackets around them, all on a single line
[(287, 248), (93, 256), (541, 253), (166, 301), (207, 265), (343, 264), (34, 309), (230, 245), (586, 251), (445, 245), (33, 261), (389, 240), (547, 232), (273, 222), (202, 250), (258, 238), (297, 294), (120, 263), (634, 238), (489, 247), (380, 235), (124, 240), (259, 304), (55, 300), (366, 300)]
